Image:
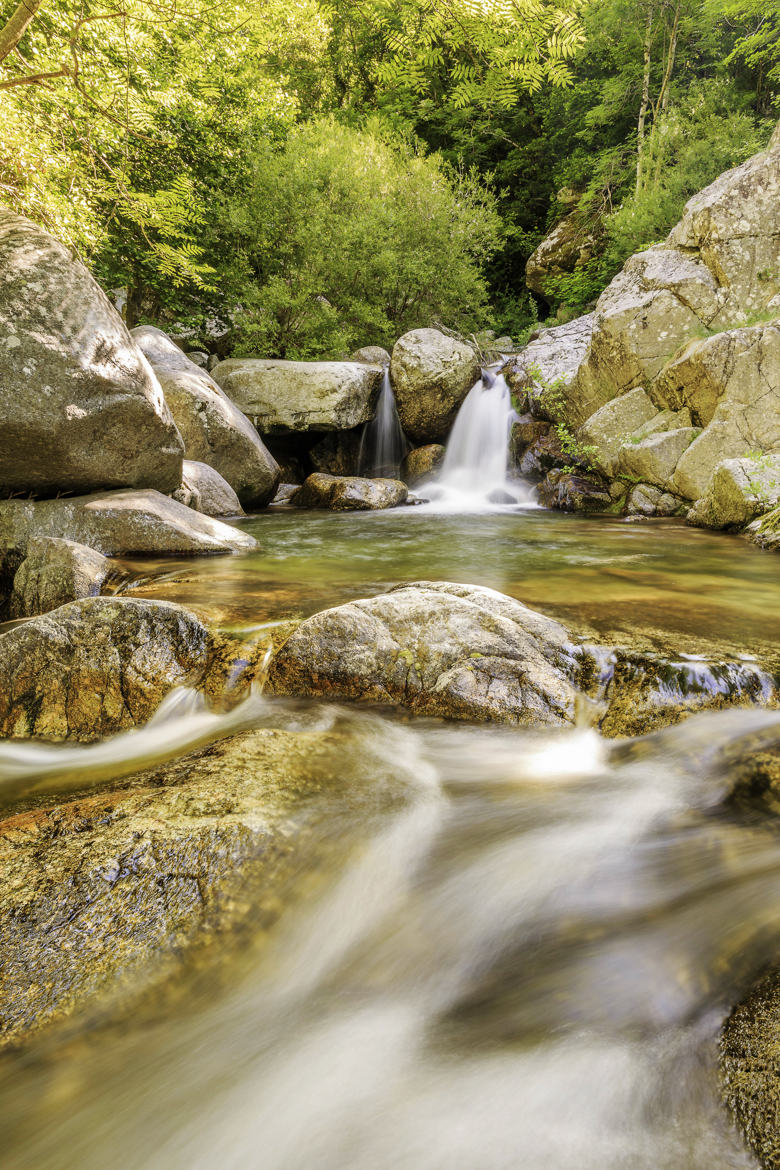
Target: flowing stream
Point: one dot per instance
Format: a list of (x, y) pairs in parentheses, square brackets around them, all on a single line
[(523, 964)]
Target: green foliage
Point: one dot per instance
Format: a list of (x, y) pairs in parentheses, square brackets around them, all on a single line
[(343, 237)]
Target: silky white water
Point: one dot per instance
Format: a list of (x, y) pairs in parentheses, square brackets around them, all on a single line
[(523, 966), (475, 471), (383, 444)]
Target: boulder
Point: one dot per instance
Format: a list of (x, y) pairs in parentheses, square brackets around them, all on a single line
[(748, 1067), (567, 247), (525, 431), (112, 897), (731, 383), (80, 408), (422, 463), (459, 651), (123, 523), (738, 491), (54, 572), (605, 432), (204, 490), (349, 493), (97, 666), (287, 397), (213, 429), (765, 532), (654, 459), (573, 493), (646, 500), (431, 375), (546, 370), (545, 454), (199, 357), (372, 355)]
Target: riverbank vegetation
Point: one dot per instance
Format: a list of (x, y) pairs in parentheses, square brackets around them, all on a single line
[(323, 171)]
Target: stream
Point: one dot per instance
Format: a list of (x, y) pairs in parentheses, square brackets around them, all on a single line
[(522, 965)]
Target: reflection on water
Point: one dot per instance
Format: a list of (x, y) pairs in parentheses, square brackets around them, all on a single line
[(611, 576), (525, 966)]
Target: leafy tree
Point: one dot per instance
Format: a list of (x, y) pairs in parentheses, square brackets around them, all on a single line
[(346, 237)]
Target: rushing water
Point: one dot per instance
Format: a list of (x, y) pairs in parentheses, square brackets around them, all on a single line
[(383, 443), (475, 472), (523, 967)]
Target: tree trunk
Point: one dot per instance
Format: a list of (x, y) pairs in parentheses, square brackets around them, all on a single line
[(16, 27)]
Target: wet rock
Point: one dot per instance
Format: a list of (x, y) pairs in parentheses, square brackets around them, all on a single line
[(458, 651), (431, 375), (348, 493), (654, 459), (100, 665), (54, 572), (573, 493), (422, 463), (738, 491), (372, 355), (119, 523), (110, 896), (337, 453), (80, 408), (287, 397), (204, 490), (525, 431), (285, 493), (750, 1076), (213, 429), (546, 454), (647, 692), (605, 432), (645, 499), (765, 532)]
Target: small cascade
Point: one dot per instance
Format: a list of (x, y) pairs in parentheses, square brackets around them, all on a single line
[(475, 471), (383, 444)]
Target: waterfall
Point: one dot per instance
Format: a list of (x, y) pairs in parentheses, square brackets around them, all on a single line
[(475, 472), (383, 443)]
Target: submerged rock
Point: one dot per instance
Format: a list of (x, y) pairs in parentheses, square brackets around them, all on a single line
[(431, 375), (122, 523), (282, 397), (80, 409), (460, 651), (54, 572), (213, 429), (111, 897), (204, 490), (97, 666), (348, 493), (422, 463)]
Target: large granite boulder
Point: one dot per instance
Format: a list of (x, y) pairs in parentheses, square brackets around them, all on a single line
[(372, 355), (213, 429), (204, 490), (547, 368), (98, 666), (460, 651), (80, 408), (738, 491), (349, 493), (54, 572), (612, 425), (422, 463), (731, 382), (122, 523), (654, 459), (431, 374), (282, 397)]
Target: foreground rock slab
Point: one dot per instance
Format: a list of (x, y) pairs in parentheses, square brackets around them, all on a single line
[(119, 523), (80, 408), (347, 493), (281, 397), (213, 429), (440, 649), (101, 665)]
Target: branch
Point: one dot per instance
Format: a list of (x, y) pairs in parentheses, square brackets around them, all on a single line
[(34, 78), (17, 26)]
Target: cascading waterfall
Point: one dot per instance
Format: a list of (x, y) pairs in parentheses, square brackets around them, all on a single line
[(475, 472), (383, 443)]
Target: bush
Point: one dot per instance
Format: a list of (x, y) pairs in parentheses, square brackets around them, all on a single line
[(346, 237)]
